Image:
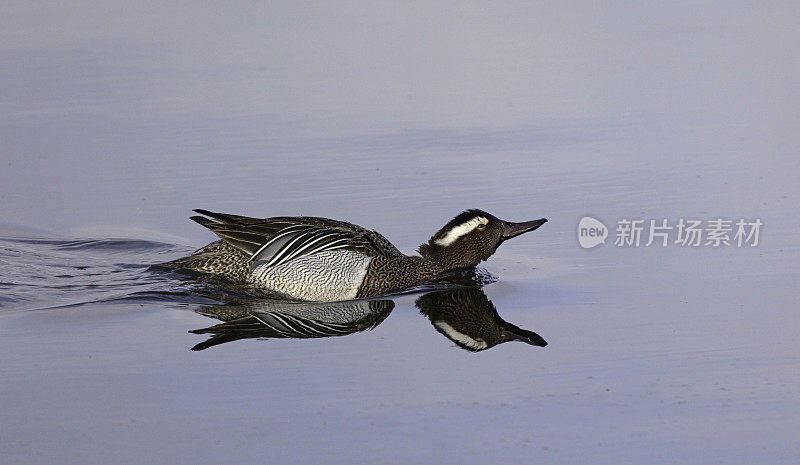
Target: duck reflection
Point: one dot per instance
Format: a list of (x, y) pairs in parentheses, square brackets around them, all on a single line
[(468, 318), (465, 316), (296, 320)]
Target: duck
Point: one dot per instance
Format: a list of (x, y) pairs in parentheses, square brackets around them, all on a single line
[(468, 318), (306, 258)]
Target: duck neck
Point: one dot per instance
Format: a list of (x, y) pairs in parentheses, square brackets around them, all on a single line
[(438, 261), (430, 267)]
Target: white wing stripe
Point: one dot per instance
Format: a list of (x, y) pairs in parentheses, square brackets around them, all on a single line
[(307, 242), (281, 233), (287, 251), (305, 246), (321, 248), (292, 326), (283, 250)]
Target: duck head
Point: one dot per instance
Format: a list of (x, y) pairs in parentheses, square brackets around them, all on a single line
[(472, 237), (468, 318)]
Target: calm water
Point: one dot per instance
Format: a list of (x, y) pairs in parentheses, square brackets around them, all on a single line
[(117, 120)]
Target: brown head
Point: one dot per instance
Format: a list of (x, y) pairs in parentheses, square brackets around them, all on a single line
[(472, 237)]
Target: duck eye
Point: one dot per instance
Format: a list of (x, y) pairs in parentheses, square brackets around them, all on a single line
[(481, 226)]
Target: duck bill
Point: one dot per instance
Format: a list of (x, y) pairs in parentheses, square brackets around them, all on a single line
[(522, 335), (515, 229)]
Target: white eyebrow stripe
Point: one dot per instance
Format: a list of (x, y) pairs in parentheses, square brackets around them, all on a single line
[(460, 230), (458, 336)]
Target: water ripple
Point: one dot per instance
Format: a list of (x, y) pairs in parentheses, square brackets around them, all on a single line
[(46, 273)]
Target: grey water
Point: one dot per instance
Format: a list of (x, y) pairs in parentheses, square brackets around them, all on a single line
[(117, 119)]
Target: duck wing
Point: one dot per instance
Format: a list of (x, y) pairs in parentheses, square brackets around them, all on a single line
[(295, 320), (274, 241)]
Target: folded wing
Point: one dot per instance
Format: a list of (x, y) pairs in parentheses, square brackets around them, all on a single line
[(275, 241)]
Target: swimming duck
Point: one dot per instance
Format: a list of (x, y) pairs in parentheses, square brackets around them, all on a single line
[(325, 260)]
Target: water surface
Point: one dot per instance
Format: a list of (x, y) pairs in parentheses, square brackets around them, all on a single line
[(117, 120)]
